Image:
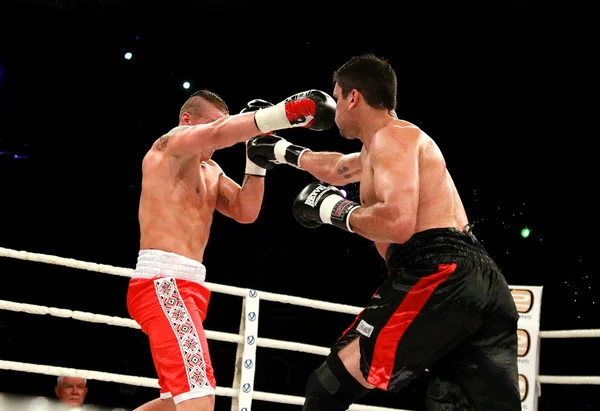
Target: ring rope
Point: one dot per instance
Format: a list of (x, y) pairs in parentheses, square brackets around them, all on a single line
[(575, 380), (234, 338), (220, 336), (87, 374), (153, 383), (126, 322), (215, 335), (570, 334), (242, 292), (218, 288)]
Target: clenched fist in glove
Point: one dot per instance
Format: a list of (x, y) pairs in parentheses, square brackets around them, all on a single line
[(255, 105), (253, 168), (269, 150), (319, 203), (313, 109)]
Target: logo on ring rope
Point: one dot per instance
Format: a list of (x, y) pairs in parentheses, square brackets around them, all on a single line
[(523, 300), (246, 387), (248, 363), (250, 339), (252, 316), (523, 387), (252, 293)]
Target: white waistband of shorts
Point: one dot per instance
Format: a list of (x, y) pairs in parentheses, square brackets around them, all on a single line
[(158, 263)]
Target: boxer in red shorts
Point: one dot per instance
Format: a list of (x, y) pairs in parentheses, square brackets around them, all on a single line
[(181, 188)]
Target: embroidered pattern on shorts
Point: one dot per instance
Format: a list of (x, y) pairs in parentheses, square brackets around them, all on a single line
[(183, 327)]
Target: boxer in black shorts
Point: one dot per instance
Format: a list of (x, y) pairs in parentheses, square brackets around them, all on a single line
[(445, 305)]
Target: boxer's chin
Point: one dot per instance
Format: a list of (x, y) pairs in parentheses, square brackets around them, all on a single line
[(347, 135)]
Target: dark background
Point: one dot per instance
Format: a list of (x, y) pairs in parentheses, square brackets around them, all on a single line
[(505, 89)]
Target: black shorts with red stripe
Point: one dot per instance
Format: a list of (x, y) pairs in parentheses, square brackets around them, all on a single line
[(445, 307)]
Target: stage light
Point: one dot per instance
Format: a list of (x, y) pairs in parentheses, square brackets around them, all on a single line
[(525, 232), (186, 85), (128, 56)]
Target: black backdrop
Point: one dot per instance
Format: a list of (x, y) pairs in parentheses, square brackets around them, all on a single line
[(502, 90)]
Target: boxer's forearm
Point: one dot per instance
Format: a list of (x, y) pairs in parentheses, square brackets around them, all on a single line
[(250, 198), (333, 168), (383, 223), (221, 133)]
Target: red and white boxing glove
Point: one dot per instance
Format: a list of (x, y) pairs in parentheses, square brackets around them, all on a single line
[(312, 109)]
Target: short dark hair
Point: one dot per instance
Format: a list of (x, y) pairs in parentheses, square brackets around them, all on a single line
[(191, 104), (372, 76)]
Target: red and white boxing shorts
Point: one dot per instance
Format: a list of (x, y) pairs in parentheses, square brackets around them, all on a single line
[(168, 299)]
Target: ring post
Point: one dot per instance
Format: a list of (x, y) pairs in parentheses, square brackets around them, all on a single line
[(245, 362)]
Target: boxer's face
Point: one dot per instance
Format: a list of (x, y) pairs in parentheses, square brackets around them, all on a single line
[(209, 114), (344, 118)]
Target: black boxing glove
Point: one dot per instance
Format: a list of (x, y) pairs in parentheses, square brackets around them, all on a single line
[(269, 150), (253, 168), (319, 203), (255, 105), (312, 109)]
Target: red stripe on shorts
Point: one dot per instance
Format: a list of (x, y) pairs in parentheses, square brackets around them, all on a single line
[(384, 354), (356, 319)]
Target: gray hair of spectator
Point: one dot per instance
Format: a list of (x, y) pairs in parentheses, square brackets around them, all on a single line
[(59, 380)]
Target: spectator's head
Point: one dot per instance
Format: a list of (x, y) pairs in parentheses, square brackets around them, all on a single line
[(71, 390)]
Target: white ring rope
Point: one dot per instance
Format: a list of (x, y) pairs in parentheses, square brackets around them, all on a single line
[(240, 292), (260, 341), (214, 335), (127, 322), (218, 288), (153, 383), (570, 334), (221, 336)]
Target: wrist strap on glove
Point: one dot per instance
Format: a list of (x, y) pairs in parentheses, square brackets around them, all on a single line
[(288, 153), (336, 210), (271, 118), (254, 170)]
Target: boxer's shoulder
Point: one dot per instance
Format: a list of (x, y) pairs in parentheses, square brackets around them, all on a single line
[(162, 142)]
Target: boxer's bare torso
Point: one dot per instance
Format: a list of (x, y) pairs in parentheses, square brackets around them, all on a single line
[(177, 203), (439, 204)]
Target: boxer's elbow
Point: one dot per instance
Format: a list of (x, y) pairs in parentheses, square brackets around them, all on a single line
[(246, 218), (247, 213), (401, 233), (401, 226)]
